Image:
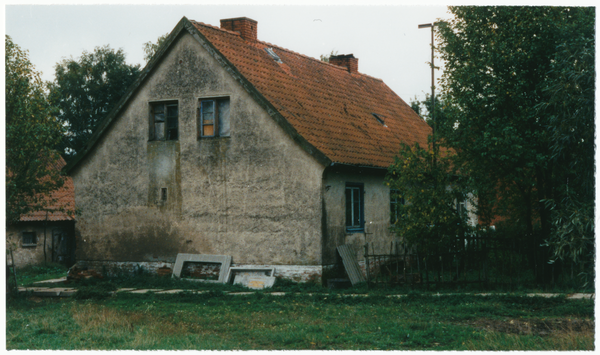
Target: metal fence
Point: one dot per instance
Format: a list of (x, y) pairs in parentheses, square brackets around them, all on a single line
[(465, 260)]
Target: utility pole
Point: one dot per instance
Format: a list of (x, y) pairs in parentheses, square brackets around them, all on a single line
[(431, 25)]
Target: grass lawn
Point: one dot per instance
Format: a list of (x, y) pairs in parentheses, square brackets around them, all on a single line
[(300, 321)]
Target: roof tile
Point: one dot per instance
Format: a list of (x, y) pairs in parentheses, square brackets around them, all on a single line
[(62, 207), (330, 107)]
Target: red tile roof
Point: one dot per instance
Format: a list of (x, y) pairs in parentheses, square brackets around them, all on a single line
[(327, 105), (62, 207)]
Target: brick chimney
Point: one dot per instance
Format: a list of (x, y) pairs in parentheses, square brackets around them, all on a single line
[(246, 27), (345, 60)]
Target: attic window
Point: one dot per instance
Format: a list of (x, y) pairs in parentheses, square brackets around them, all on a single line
[(379, 119), (213, 117), (164, 121), (273, 55)]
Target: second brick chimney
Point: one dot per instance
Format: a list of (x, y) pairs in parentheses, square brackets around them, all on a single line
[(345, 60), (246, 27)]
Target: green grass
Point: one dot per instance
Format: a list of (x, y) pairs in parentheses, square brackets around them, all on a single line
[(298, 321), (28, 275)]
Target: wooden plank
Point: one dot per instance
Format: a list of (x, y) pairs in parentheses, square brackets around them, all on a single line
[(351, 264)]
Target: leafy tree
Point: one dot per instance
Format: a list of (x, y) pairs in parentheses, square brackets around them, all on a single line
[(423, 109), (32, 131), (571, 128), (86, 89), (416, 105), (150, 48), (432, 191), (325, 57), (502, 68)]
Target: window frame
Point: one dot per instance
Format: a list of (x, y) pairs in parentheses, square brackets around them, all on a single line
[(33, 236), (166, 122), (351, 227), (217, 120)]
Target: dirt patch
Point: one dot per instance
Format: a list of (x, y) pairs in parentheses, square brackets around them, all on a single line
[(534, 326)]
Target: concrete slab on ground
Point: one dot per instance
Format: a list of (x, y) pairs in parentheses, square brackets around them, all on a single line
[(254, 282), (53, 281)]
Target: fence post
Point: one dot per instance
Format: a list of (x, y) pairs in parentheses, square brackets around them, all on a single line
[(367, 264)]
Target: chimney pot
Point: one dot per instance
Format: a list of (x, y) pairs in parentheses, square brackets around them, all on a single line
[(345, 60), (246, 27)]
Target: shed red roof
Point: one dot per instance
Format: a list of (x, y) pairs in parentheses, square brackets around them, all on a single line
[(61, 203), (330, 107)]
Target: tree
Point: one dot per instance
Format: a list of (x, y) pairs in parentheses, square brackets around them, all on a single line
[(571, 128), (150, 48), (325, 57), (499, 61), (432, 191), (32, 131), (85, 90)]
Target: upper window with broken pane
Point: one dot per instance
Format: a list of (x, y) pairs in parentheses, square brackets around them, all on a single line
[(164, 121)]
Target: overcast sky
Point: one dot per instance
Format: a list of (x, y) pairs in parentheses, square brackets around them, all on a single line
[(385, 39)]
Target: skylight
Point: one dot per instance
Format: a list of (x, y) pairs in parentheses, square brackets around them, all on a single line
[(379, 119), (273, 55)]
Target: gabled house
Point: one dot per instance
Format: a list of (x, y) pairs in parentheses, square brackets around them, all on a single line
[(51, 227), (228, 145)]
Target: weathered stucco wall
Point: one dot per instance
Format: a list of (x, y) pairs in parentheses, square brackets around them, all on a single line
[(376, 211), (255, 195)]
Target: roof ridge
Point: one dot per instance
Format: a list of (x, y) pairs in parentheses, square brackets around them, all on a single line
[(317, 60), (235, 33), (271, 45)]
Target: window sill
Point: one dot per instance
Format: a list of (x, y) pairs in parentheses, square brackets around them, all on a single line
[(28, 245), (353, 231)]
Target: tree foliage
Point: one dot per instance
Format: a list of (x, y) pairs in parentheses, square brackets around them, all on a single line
[(432, 191), (571, 128), (86, 89), (518, 93), (325, 57), (32, 131), (150, 48)]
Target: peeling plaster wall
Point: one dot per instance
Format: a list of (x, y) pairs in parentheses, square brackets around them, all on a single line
[(376, 212), (255, 195)]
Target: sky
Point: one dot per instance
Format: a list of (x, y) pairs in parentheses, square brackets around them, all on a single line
[(385, 38)]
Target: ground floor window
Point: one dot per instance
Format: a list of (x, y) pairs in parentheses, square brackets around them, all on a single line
[(354, 207), (29, 238)]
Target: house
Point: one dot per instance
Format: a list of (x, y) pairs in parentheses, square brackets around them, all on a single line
[(50, 228), (227, 145)]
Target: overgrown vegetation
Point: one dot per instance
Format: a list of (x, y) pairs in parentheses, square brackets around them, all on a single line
[(34, 273), (216, 321), (516, 112), (31, 164)]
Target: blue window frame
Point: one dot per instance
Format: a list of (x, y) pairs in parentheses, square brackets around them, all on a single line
[(213, 117), (355, 215)]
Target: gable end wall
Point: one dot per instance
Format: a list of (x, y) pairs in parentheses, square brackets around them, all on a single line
[(255, 195)]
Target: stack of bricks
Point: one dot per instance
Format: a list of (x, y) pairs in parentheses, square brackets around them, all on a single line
[(348, 61), (247, 28)]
